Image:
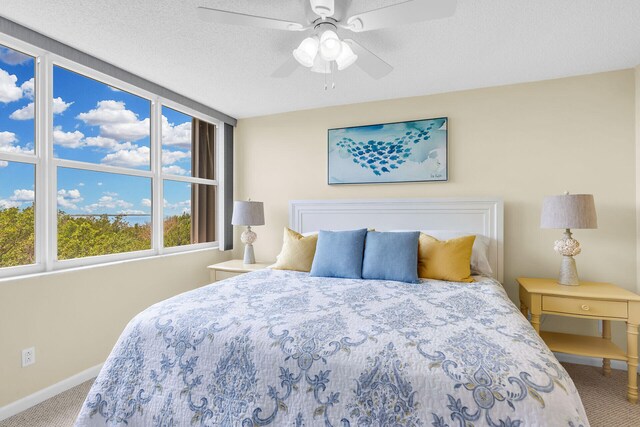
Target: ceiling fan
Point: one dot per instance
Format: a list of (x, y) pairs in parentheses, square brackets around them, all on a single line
[(324, 50)]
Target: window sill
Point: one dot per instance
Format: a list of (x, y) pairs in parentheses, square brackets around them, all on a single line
[(68, 266)]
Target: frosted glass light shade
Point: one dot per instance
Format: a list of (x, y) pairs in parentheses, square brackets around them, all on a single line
[(330, 45), (346, 57), (569, 211), (307, 51), (321, 66)]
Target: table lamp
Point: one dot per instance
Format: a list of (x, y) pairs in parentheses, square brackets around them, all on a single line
[(248, 213), (568, 211)]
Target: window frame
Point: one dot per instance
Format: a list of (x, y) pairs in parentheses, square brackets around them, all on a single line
[(46, 168)]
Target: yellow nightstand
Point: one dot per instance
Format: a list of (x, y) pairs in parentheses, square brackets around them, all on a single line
[(235, 267), (590, 300)]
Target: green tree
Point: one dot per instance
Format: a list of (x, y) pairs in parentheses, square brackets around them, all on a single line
[(17, 236), (177, 230)]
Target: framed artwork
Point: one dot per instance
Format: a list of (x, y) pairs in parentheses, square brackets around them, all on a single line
[(413, 151)]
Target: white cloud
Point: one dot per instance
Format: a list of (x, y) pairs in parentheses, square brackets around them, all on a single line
[(8, 204), (13, 57), (99, 184), (23, 195), (107, 202), (3, 164), (174, 170), (28, 88), (184, 204), (26, 112), (8, 144), (109, 143), (176, 135), (69, 199), (81, 184), (9, 92), (116, 121), (170, 157), (145, 202), (68, 139), (138, 156)]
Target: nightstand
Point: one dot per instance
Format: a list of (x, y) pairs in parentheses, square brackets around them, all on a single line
[(589, 300), (234, 267)]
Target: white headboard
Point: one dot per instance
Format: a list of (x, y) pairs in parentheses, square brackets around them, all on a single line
[(473, 215)]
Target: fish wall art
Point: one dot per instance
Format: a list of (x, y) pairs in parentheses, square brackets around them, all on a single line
[(412, 151)]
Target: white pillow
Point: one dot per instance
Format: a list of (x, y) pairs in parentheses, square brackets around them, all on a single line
[(479, 253)]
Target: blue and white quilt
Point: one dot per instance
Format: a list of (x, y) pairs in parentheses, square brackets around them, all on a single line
[(280, 348)]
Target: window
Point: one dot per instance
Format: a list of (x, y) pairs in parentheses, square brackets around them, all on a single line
[(189, 151), (96, 169), (100, 211), (17, 158)]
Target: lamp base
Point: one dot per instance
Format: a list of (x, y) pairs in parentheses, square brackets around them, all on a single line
[(249, 257), (568, 272)]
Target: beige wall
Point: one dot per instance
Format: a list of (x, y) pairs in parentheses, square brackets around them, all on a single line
[(74, 318), (518, 142)]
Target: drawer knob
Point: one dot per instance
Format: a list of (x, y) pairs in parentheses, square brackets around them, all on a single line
[(585, 307)]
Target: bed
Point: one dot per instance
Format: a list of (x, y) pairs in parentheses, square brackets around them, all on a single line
[(283, 348)]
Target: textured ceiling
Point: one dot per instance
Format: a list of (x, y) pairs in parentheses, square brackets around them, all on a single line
[(486, 43)]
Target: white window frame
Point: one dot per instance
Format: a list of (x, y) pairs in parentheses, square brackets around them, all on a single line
[(47, 165)]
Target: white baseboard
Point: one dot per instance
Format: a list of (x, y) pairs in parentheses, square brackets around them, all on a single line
[(590, 361), (46, 393)]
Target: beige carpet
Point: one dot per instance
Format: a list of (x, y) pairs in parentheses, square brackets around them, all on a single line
[(604, 399)]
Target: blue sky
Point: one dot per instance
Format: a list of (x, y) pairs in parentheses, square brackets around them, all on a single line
[(95, 123)]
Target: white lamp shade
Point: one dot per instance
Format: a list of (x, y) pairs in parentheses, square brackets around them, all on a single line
[(321, 66), (247, 213), (569, 211), (330, 45), (346, 57), (307, 51)]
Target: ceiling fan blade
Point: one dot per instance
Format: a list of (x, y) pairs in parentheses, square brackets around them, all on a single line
[(368, 61), (400, 14), (224, 17), (286, 69)]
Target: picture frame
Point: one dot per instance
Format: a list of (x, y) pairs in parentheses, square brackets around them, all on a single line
[(395, 152)]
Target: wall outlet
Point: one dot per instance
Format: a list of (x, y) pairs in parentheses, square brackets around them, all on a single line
[(28, 356)]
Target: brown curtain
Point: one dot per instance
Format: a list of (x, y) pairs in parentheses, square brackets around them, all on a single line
[(203, 197)]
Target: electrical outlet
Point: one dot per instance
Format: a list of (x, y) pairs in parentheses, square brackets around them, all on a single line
[(28, 356)]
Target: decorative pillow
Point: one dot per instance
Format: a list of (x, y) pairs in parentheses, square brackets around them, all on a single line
[(445, 260), (339, 254), (479, 254), (297, 252), (391, 256)]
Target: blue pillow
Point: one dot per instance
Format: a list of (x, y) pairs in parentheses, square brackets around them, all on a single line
[(391, 256), (339, 254)]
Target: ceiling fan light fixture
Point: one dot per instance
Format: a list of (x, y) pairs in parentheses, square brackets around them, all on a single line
[(346, 57), (330, 45), (321, 66), (306, 53)]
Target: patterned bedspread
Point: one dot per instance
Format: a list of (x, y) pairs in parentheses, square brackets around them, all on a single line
[(282, 348)]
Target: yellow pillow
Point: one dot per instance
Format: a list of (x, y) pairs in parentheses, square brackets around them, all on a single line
[(297, 251), (445, 260)]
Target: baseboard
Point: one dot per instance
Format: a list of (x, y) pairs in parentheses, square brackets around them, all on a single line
[(46, 393), (590, 361)]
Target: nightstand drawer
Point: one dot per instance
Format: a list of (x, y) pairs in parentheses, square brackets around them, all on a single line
[(585, 307)]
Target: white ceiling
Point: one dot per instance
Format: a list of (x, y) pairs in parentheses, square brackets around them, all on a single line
[(486, 43)]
